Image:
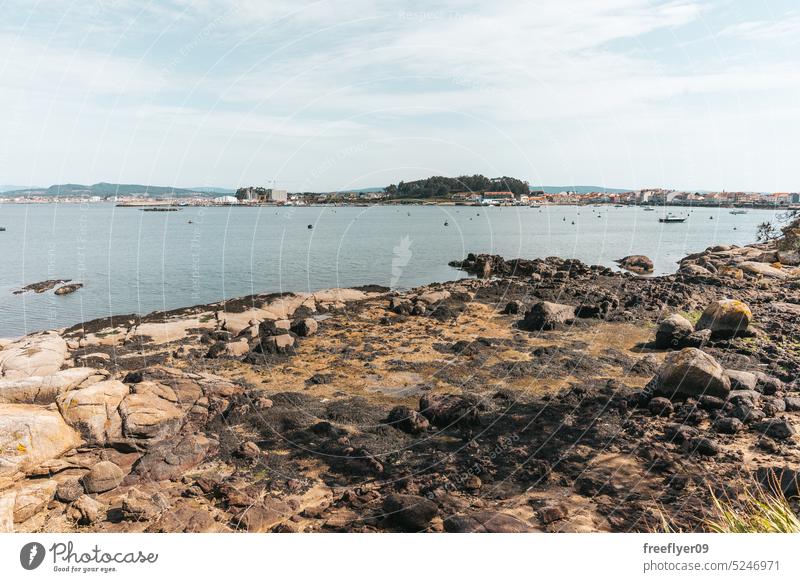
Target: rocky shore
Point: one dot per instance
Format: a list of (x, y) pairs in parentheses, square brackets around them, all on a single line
[(543, 395)]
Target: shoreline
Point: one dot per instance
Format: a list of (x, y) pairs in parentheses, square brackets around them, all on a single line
[(537, 396)]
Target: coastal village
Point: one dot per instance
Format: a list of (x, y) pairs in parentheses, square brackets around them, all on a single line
[(260, 196)]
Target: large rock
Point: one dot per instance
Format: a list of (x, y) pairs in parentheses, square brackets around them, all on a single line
[(790, 258), (43, 389), (31, 435), (636, 263), (94, 411), (742, 380), (32, 497), (305, 327), (171, 458), (104, 476), (673, 331), (694, 270), (546, 315), (34, 355), (485, 522), (444, 410), (762, 269), (725, 318), (410, 512), (147, 415), (277, 344), (690, 372)]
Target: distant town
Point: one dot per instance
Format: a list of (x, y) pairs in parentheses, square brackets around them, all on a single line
[(431, 191)]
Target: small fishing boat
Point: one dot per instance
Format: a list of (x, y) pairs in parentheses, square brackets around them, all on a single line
[(649, 209), (2, 228), (738, 212), (672, 218)]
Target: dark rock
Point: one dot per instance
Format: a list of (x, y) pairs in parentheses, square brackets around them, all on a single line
[(546, 316), (485, 522), (690, 372), (728, 425), (660, 406), (703, 446), (778, 429), (673, 331), (410, 512), (636, 264), (407, 420), (444, 410), (782, 480), (741, 380), (171, 458), (305, 327), (514, 308)]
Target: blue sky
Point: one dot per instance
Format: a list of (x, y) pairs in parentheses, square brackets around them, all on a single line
[(336, 95)]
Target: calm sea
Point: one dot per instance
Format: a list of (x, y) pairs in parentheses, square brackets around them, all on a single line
[(134, 261)]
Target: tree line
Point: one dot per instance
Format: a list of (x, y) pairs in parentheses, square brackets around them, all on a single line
[(442, 186)]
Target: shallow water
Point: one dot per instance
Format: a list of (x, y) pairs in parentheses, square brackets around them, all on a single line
[(137, 262)]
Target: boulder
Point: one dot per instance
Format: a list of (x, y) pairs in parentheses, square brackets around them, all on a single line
[(32, 497), (409, 512), (407, 420), (444, 410), (305, 327), (148, 416), (741, 380), (546, 315), (433, 297), (238, 348), (779, 429), (673, 331), (277, 344), (660, 406), (30, 435), (485, 521), (43, 389), (86, 510), (694, 270), (138, 506), (725, 318), (690, 372), (636, 264), (94, 411), (514, 307), (171, 458), (104, 476), (69, 490), (789, 258), (34, 355), (763, 270)]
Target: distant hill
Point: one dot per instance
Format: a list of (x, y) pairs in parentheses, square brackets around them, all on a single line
[(213, 190), (10, 188), (107, 189)]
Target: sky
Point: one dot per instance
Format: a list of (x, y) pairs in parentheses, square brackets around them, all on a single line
[(317, 96)]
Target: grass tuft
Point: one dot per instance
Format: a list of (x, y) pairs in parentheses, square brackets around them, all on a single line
[(761, 511)]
